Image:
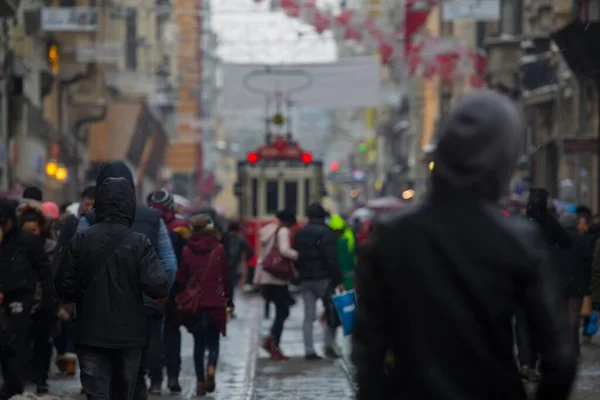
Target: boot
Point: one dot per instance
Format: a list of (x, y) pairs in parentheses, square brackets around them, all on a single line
[(200, 390), (174, 386), (211, 384), (268, 344), (277, 355)]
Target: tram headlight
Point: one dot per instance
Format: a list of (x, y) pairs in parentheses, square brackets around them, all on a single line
[(306, 158), (252, 157)]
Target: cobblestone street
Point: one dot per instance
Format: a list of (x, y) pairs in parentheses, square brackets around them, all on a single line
[(298, 379)]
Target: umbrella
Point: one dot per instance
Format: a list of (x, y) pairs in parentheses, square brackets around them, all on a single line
[(362, 214), (383, 204)]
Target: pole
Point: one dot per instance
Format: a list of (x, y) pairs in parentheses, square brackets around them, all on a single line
[(199, 65)]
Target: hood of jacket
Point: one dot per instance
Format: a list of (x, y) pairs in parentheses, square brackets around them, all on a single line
[(337, 223), (212, 213), (203, 243), (266, 233), (115, 202), (114, 169), (478, 146)]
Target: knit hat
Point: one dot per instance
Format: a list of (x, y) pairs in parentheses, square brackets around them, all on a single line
[(50, 209), (201, 222), (164, 198)]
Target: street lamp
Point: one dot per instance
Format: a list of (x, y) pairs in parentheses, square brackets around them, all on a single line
[(61, 174), (51, 168)]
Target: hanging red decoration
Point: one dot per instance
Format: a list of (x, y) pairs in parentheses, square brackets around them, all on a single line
[(344, 17), (321, 22), (480, 69), (416, 14), (446, 65), (351, 33), (386, 51), (291, 8)]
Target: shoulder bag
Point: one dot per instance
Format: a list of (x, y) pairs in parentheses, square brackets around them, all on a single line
[(275, 264), (188, 300)]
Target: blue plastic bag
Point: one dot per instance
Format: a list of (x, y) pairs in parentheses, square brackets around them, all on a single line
[(345, 305), (592, 328)]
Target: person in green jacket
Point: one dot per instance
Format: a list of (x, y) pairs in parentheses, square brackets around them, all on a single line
[(346, 249)]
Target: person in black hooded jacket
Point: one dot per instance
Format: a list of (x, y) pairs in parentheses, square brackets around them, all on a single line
[(106, 270), (23, 263), (150, 223), (441, 280)]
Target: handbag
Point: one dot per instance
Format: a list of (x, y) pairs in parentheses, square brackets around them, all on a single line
[(275, 264), (188, 300), (586, 306)]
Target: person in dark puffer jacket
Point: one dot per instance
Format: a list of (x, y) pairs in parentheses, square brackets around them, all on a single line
[(110, 328), (150, 223), (24, 263), (170, 343)]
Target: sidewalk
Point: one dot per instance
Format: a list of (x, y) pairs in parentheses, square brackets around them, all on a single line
[(298, 378)]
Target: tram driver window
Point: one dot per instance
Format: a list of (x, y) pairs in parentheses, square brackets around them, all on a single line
[(291, 197), (272, 197)]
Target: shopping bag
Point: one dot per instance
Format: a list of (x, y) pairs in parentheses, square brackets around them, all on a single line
[(592, 327), (345, 305)]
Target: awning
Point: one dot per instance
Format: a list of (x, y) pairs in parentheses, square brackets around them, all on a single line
[(578, 43)]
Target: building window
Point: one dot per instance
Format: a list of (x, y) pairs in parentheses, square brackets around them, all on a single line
[(510, 17), (291, 196), (68, 3), (131, 39)]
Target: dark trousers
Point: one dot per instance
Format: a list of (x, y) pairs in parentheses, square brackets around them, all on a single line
[(281, 297), (40, 331), (172, 341), (527, 354), (62, 341), (13, 358), (151, 359), (235, 279), (574, 317), (206, 337), (108, 373)]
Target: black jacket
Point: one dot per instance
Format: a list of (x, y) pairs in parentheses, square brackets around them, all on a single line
[(441, 280), (317, 253), (67, 230), (23, 262), (110, 314), (574, 264)]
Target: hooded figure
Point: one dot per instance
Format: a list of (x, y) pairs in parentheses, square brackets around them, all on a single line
[(537, 210), (441, 280), (346, 249), (105, 271)]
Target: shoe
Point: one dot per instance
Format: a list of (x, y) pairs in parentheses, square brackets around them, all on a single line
[(586, 340), (174, 386), (312, 357), (330, 352), (200, 390), (268, 344), (277, 355), (210, 379), (529, 375), (155, 389), (42, 388)]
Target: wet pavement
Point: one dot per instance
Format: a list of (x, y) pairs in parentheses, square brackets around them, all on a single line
[(298, 379)]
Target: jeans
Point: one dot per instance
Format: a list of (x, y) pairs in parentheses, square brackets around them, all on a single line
[(235, 278), (172, 340), (280, 296), (527, 354), (151, 358), (311, 292), (62, 341), (206, 336), (108, 373)]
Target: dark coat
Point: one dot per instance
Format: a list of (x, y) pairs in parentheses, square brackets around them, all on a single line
[(574, 264), (441, 280), (316, 245), (204, 263), (110, 311)]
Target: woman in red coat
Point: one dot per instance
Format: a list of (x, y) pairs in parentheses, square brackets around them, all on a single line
[(204, 265)]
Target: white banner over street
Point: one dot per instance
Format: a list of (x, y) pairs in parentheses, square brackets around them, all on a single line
[(347, 83)]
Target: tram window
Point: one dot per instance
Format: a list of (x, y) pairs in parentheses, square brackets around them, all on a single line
[(254, 195), (272, 197), (291, 196), (307, 195)]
